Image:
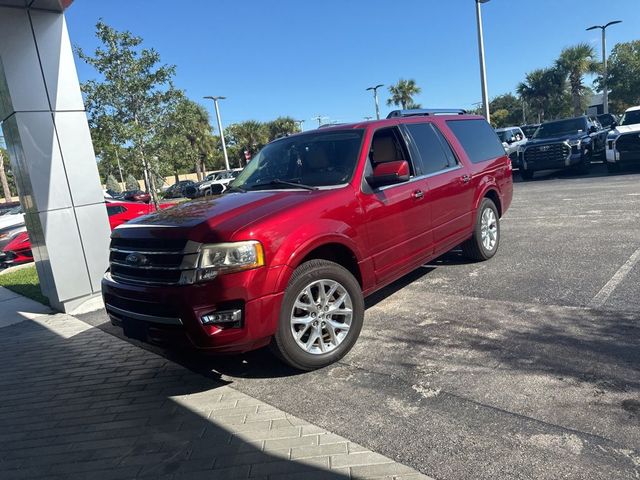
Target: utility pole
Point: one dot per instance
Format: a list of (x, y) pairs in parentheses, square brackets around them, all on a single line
[(483, 72), (224, 146), (605, 73), (300, 123), (319, 118), (375, 98)]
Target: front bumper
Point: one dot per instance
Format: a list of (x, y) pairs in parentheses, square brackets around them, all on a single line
[(171, 315)]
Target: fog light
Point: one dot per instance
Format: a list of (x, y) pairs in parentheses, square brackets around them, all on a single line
[(223, 318)]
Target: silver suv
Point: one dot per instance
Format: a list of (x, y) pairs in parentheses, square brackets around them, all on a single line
[(512, 138)]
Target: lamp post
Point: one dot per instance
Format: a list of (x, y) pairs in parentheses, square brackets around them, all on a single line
[(224, 146), (483, 73), (375, 97), (605, 90)]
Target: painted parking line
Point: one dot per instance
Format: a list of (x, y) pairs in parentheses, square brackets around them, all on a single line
[(605, 292)]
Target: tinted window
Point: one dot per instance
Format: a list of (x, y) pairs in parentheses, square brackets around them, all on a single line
[(115, 209), (477, 138), (561, 127), (433, 156)]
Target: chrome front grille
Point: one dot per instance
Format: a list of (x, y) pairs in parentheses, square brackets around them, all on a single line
[(153, 261), (547, 154)]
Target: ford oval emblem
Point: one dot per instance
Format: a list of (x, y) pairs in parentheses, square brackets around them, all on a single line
[(136, 259)]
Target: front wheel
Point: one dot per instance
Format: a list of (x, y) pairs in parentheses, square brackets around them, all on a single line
[(321, 316), (486, 234)]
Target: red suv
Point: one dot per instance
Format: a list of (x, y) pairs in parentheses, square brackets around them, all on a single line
[(315, 223)]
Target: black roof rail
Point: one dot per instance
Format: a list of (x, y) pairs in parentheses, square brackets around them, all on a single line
[(416, 112), (327, 125)]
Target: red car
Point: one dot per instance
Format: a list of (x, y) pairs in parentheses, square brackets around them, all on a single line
[(315, 223), (18, 250)]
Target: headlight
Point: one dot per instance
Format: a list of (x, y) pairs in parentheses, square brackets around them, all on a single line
[(229, 257), (575, 143)]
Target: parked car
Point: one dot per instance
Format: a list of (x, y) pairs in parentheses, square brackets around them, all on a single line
[(623, 141), (136, 196), (9, 233), (11, 217), (607, 119), (17, 251), (313, 224), (121, 212), (213, 184), (572, 142), (17, 248), (529, 130), (177, 189), (512, 139)]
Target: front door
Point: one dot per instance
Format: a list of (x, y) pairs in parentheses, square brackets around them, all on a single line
[(397, 216)]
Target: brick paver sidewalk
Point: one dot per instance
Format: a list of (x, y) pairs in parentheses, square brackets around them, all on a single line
[(76, 402)]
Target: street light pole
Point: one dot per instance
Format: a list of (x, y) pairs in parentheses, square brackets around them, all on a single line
[(300, 123), (483, 73), (224, 146), (605, 74), (375, 97)]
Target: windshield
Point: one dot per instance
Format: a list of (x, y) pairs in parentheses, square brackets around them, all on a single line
[(504, 136), (630, 118), (563, 127), (316, 159)]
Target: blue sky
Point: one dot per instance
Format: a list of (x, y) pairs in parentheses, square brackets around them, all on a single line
[(305, 58)]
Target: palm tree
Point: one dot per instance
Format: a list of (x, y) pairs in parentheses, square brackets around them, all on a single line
[(575, 62), (544, 91), (402, 94), (249, 135)]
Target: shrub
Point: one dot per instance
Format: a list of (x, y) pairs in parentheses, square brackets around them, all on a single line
[(112, 184), (132, 183)]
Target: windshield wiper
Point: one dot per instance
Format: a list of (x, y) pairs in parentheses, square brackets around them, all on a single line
[(235, 189), (277, 181)]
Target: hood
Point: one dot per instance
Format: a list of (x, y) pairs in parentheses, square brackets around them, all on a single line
[(219, 216), (621, 129), (558, 139)]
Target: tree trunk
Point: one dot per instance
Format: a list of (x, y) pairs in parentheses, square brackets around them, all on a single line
[(176, 177), (198, 171), (3, 179)]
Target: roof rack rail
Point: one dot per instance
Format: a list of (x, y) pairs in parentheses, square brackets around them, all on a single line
[(416, 112), (327, 125)]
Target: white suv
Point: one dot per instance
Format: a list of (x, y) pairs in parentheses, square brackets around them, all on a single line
[(512, 139), (623, 141)]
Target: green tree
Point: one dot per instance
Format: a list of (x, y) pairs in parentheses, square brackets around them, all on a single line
[(280, 127), (4, 181), (574, 62), (402, 94), (131, 183), (545, 91), (112, 184), (249, 135), (624, 76), (506, 110), (186, 141), (134, 92)]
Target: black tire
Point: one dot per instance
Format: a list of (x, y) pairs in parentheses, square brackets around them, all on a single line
[(474, 248), (526, 174), (285, 346), (612, 167), (584, 167)]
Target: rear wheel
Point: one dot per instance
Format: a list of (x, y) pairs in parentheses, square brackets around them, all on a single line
[(321, 316), (526, 174), (486, 234), (612, 167)]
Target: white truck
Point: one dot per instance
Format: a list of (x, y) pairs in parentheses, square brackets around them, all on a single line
[(623, 141)]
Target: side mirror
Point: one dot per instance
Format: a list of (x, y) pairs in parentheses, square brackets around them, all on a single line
[(389, 173), (593, 129)]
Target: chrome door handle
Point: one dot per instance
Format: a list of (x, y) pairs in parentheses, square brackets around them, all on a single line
[(465, 179), (417, 194)]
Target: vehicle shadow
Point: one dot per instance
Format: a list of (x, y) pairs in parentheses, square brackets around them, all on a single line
[(77, 403), (598, 170)]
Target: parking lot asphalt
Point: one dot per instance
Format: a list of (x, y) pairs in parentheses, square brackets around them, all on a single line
[(525, 366)]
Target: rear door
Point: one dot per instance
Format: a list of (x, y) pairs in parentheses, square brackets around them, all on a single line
[(449, 185), (397, 216)]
